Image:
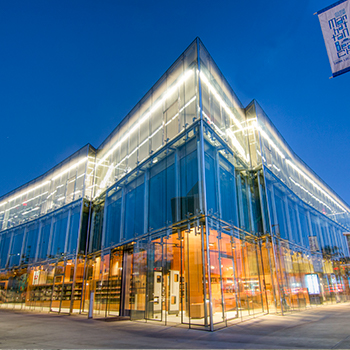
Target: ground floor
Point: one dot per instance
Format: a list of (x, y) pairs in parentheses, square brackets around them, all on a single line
[(324, 327), (205, 276)]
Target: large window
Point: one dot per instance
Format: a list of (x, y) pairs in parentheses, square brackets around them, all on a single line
[(162, 194), (30, 243), (228, 193), (73, 230), (211, 185), (134, 209), (17, 241), (113, 219), (189, 185), (59, 235)]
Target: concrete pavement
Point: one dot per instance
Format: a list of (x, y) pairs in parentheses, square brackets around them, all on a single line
[(326, 327)]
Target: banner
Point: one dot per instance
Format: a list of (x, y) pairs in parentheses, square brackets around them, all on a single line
[(334, 21)]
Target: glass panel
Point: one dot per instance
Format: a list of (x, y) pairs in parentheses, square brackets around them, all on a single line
[(193, 278), (44, 240), (189, 186), (155, 300), (228, 277), (59, 235), (134, 209), (100, 280), (30, 246), (16, 249), (4, 249), (172, 279), (73, 231), (113, 219), (162, 194), (211, 185), (139, 280), (215, 277), (228, 193), (115, 283)]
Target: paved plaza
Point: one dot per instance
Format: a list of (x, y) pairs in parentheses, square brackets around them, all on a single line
[(326, 327)]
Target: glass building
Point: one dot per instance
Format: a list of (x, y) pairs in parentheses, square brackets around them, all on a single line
[(193, 211)]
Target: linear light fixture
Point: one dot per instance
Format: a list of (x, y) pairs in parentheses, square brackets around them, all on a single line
[(315, 184), (108, 174), (220, 100), (147, 115)]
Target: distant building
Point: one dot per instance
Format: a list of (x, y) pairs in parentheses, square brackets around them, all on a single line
[(194, 210)]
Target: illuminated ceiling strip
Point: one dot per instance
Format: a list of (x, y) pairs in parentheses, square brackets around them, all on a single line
[(29, 200), (238, 146), (108, 174), (220, 100), (308, 192), (266, 137), (147, 115), (29, 211), (229, 132), (46, 182), (69, 169), (181, 109), (213, 124), (314, 184)]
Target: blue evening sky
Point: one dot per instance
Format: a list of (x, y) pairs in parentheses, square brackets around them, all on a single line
[(71, 70)]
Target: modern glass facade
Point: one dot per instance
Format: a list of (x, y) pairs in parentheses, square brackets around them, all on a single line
[(193, 211)]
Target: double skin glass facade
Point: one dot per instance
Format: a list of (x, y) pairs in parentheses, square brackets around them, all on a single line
[(193, 211)]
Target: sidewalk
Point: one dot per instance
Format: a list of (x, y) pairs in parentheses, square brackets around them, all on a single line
[(326, 327)]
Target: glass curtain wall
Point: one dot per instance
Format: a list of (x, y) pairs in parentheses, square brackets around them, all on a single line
[(65, 183), (29, 251)]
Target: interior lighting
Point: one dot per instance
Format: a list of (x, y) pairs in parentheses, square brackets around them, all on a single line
[(69, 169), (109, 173), (213, 124), (220, 100), (29, 211), (180, 110), (272, 144), (44, 183), (309, 193), (31, 199), (105, 179), (12, 207), (51, 194), (237, 145), (31, 190), (147, 115), (61, 198), (315, 185)]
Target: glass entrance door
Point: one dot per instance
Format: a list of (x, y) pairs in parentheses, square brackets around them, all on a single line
[(155, 285), (115, 283), (127, 293), (172, 279)]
